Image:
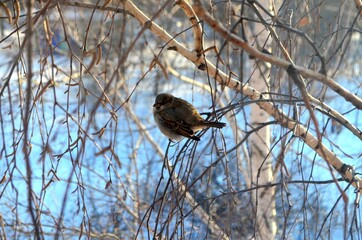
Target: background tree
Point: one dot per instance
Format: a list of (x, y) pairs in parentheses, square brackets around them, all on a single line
[(81, 155)]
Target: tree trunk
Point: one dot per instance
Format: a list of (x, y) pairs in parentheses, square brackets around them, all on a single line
[(261, 163)]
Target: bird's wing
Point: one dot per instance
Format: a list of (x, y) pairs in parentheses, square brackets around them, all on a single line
[(176, 125), (187, 112)]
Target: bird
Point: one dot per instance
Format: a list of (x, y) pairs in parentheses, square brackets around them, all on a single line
[(177, 118)]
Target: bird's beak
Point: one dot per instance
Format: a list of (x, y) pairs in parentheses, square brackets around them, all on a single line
[(156, 105)]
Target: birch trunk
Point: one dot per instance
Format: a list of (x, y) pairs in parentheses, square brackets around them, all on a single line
[(261, 164)]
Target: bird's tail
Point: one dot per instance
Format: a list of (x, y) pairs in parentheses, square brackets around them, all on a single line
[(207, 124), (215, 124)]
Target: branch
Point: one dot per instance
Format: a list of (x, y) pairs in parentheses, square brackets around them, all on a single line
[(197, 29)]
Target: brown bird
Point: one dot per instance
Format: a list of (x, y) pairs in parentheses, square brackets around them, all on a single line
[(177, 118)]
